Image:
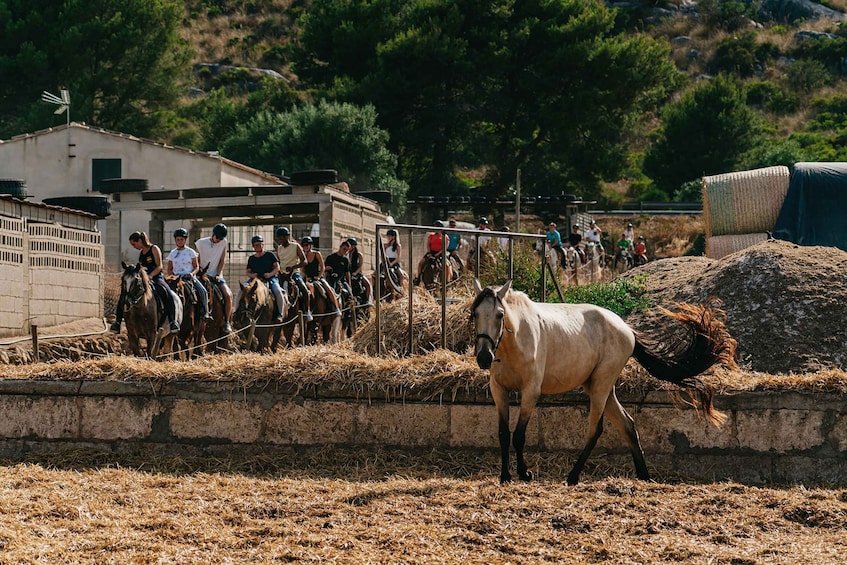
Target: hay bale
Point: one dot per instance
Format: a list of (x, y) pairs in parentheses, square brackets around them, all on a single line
[(722, 245), (426, 327), (744, 202)]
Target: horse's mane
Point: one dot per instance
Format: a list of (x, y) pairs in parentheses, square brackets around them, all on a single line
[(513, 297)]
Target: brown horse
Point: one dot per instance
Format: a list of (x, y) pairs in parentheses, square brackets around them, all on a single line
[(193, 326), (256, 306), (536, 348), (215, 329), (326, 311), (144, 316)]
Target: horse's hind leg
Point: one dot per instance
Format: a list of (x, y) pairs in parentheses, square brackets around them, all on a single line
[(595, 429), (624, 423)]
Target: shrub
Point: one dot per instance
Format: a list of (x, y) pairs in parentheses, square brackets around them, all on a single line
[(622, 296)]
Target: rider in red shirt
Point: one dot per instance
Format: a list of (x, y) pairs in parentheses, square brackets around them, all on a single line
[(434, 249)]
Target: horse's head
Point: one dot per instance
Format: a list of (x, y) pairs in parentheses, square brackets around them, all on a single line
[(135, 282), (489, 315)]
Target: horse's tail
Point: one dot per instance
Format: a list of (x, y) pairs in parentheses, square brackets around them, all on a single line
[(678, 359)]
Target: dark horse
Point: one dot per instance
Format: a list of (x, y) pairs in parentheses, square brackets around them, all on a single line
[(536, 349), (144, 315), (327, 314), (215, 329), (256, 305), (192, 326), (292, 318)]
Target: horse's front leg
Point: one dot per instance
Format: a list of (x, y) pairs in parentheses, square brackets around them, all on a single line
[(501, 401), (528, 401)]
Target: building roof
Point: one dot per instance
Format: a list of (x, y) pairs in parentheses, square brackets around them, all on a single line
[(129, 137)]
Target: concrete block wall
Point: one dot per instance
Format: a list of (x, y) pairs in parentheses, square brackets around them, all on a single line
[(769, 437), (65, 274), (13, 297)]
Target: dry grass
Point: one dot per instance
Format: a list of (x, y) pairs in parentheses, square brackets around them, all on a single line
[(398, 507)]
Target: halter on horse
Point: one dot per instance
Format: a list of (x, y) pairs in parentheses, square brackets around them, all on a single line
[(535, 348)]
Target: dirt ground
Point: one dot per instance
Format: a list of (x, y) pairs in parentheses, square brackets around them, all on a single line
[(785, 304)]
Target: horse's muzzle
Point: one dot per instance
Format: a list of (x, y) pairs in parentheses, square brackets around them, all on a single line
[(484, 356)]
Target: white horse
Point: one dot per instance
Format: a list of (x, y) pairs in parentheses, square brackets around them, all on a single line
[(566, 270), (538, 348), (594, 259)]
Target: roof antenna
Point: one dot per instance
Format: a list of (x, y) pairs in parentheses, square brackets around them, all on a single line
[(64, 105)]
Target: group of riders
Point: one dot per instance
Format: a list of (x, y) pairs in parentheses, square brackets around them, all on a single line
[(340, 272), (628, 246), (290, 262)]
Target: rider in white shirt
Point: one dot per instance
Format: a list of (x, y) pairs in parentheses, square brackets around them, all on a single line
[(213, 250), (182, 262)]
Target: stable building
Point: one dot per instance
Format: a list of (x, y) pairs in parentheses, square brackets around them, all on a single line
[(134, 184)]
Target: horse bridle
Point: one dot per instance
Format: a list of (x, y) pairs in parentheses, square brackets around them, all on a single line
[(132, 300), (495, 343)]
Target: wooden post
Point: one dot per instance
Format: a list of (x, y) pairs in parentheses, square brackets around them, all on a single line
[(33, 330)]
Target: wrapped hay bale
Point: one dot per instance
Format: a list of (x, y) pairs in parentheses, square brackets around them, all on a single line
[(426, 327), (744, 202), (722, 245)]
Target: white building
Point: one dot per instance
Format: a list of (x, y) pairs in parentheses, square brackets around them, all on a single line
[(186, 188)]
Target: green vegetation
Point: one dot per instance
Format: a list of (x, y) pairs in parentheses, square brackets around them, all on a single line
[(622, 296), (456, 95)]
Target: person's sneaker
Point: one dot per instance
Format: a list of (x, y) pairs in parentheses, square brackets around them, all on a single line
[(309, 316), (174, 327), (278, 319), (208, 318), (228, 328), (115, 328)]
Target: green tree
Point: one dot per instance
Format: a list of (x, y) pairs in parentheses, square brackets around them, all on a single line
[(705, 133), (328, 135), (120, 59), (543, 85)]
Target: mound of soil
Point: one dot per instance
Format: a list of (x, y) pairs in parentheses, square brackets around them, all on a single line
[(785, 304)]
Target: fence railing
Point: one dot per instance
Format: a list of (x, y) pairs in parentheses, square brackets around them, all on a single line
[(475, 236)]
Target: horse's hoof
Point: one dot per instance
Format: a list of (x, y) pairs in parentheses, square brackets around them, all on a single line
[(526, 477), (505, 479)]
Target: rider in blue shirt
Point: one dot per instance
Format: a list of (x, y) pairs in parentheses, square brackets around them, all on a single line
[(555, 239)]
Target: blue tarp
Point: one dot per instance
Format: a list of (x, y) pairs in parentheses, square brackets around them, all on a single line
[(814, 211)]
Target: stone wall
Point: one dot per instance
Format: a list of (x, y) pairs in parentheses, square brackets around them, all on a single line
[(769, 437)]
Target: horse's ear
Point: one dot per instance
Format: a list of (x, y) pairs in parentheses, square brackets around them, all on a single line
[(124, 265), (476, 286), (501, 294)]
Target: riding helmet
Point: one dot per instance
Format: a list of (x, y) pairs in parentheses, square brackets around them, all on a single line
[(391, 232), (220, 230), (306, 240), (257, 239), (352, 241), (180, 232), (483, 221), (629, 225), (438, 224), (282, 231)]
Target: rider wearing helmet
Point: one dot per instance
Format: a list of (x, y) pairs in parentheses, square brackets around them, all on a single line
[(357, 262), (183, 262), (629, 233), (393, 249), (574, 240), (212, 251), (264, 266), (434, 249), (291, 260), (640, 251)]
